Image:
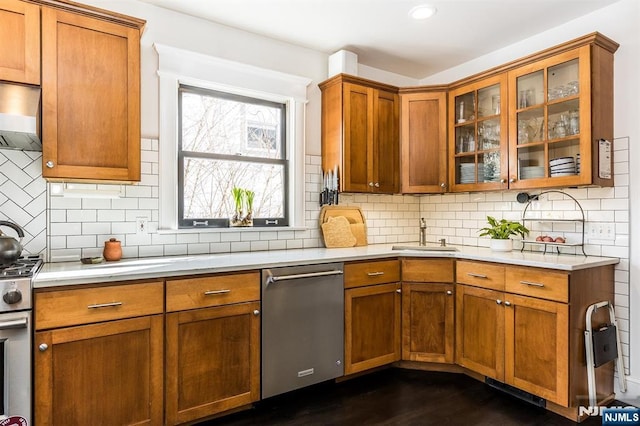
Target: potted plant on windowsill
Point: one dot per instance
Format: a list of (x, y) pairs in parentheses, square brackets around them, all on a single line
[(500, 230), (242, 198)]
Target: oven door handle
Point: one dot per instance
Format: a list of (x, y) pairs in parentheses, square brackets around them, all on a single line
[(18, 323)]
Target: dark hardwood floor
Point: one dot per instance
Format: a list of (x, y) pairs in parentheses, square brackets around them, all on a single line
[(397, 397)]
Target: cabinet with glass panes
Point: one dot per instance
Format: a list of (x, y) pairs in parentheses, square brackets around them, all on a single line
[(477, 135), (561, 119)]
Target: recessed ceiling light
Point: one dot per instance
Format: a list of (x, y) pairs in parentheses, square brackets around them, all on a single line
[(422, 11)]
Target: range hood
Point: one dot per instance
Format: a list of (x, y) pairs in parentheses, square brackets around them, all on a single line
[(20, 117)]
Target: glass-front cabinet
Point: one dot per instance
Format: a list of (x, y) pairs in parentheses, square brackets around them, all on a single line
[(550, 123), (561, 118), (477, 135)]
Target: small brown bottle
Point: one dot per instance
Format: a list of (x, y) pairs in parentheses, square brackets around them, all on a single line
[(112, 250)]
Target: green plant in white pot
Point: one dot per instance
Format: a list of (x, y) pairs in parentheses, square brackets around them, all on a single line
[(500, 230)]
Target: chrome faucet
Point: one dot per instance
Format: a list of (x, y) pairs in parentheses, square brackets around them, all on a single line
[(423, 232), (443, 242)]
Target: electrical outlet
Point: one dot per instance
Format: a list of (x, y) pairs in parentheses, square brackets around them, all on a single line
[(141, 226), (602, 231)]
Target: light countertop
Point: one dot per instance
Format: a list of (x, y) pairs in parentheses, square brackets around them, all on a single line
[(74, 273)]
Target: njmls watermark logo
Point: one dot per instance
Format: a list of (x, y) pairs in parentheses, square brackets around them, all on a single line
[(613, 416)]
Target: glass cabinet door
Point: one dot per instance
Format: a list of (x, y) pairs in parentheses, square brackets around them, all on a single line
[(478, 139), (545, 136)]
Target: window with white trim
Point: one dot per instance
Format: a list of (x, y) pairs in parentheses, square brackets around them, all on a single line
[(261, 142), (229, 141)]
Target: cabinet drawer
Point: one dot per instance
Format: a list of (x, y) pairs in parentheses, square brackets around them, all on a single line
[(427, 270), (480, 274), (359, 274), (541, 283), (215, 290), (87, 305)]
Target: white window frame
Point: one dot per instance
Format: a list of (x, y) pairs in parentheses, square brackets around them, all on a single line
[(178, 66)]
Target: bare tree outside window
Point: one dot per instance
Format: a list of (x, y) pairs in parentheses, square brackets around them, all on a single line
[(229, 141)]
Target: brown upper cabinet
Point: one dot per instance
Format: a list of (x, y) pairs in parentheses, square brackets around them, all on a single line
[(561, 107), (360, 120), (91, 96), (423, 140), (20, 58), (546, 132), (477, 135), (542, 121)]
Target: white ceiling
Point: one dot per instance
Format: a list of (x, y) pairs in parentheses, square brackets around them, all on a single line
[(381, 33)]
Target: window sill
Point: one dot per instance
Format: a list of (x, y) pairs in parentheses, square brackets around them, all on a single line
[(228, 230)]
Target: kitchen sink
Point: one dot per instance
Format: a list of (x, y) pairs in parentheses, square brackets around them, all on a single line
[(425, 248)]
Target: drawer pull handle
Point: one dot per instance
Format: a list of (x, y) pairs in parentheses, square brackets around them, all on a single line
[(499, 302), (104, 305), (471, 274), (449, 292), (507, 303), (214, 292), (531, 283), (375, 274)]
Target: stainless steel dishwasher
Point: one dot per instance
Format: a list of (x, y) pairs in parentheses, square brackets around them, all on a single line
[(302, 326)]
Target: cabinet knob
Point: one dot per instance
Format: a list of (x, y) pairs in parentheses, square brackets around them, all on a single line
[(256, 312), (50, 164), (499, 302), (512, 180), (503, 181), (399, 290), (449, 292), (43, 347), (377, 184), (371, 184), (443, 185), (506, 303)]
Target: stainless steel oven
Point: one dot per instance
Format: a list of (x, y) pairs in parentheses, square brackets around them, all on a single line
[(16, 340), (15, 365)]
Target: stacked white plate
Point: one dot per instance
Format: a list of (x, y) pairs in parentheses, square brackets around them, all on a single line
[(578, 163), (562, 166), (468, 172), (531, 172)]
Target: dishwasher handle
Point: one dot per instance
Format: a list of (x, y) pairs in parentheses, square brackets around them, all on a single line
[(271, 279)]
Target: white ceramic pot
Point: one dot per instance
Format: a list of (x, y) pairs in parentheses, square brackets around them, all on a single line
[(501, 245)]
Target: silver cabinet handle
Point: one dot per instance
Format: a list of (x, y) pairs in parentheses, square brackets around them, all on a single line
[(214, 292), (506, 303), (104, 305), (471, 274), (274, 279), (499, 302), (443, 185), (377, 184), (449, 292), (256, 312), (512, 180), (375, 274), (371, 184), (399, 290), (50, 164), (503, 181), (531, 283), (18, 323), (43, 347)]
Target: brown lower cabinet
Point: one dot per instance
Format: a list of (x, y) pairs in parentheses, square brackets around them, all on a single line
[(106, 354), (99, 373), (372, 327), (372, 314), (212, 345), (428, 331), (524, 327), (213, 361)]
